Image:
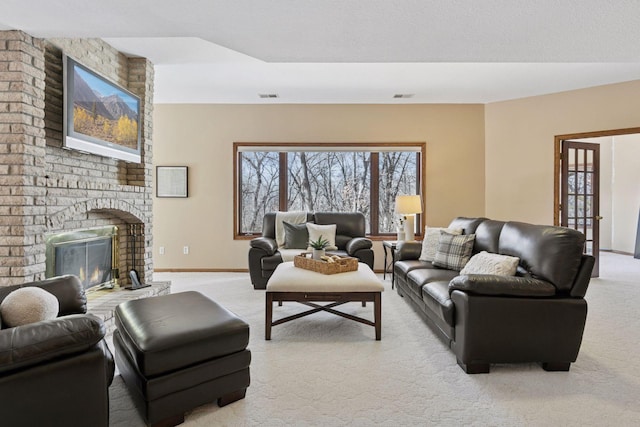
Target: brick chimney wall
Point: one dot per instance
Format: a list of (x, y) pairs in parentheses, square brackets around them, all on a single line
[(46, 189)]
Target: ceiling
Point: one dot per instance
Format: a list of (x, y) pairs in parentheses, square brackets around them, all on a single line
[(348, 51)]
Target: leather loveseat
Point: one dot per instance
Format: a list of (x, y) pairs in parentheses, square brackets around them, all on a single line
[(538, 315), (265, 256), (56, 372)]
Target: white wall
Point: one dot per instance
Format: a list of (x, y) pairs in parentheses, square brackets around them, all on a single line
[(619, 190), (606, 189), (625, 191)]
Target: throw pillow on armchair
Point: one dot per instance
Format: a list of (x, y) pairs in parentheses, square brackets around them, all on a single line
[(326, 231)]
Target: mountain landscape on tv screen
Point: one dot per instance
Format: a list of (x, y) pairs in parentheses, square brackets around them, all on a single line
[(108, 118)]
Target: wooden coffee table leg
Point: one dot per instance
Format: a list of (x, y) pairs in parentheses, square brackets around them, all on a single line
[(269, 315), (377, 315)]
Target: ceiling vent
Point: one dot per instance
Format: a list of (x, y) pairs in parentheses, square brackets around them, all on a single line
[(268, 95), (404, 95)]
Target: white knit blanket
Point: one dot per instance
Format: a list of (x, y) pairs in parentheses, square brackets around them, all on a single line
[(293, 217), (289, 254)]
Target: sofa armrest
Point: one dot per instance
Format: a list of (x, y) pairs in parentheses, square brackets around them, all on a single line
[(356, 244), (35, 343), (408, 250), (267, 244), (487, 284)]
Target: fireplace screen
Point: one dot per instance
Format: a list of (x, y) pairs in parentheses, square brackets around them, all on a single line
[(90, 261), (88, 254)]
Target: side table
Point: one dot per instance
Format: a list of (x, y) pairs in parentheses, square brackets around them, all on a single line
[(389, 247)]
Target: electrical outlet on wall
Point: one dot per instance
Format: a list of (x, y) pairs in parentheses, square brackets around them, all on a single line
[(161, 250), (185, 250)]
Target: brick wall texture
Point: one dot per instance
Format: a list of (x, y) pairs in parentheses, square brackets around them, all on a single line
[(45, 189)]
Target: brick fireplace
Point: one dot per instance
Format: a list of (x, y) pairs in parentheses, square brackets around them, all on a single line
[(46, 189)]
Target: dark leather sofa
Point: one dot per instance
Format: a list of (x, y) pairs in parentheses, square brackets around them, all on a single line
[(264, 256), (56, 372), (538, 315)]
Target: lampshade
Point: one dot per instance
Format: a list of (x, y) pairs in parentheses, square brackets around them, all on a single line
[(408, 204)]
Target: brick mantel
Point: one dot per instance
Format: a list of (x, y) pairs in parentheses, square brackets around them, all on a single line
[(47, 189)]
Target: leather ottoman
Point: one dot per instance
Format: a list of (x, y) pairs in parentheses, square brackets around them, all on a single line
[(176, 352)]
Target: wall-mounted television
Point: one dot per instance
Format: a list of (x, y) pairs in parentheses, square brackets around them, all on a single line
[(100, 117)]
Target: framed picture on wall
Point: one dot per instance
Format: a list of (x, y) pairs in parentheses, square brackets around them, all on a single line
[(171, 181)]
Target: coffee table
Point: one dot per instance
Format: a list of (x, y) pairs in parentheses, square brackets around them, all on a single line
[(290, 283)]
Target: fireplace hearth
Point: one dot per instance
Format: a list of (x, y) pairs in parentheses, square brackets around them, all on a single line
[(90, 254)]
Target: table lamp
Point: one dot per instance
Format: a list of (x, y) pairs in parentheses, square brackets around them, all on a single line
[(408, 206)]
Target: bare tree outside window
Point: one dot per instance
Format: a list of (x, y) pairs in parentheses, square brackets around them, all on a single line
[(329, 181), (326, 181), (259, 187), (579, 207), (398, 175)]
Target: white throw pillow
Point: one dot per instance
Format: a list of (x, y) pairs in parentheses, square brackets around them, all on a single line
[(430, 241), (28, 305), (488, 263), (326, 231)]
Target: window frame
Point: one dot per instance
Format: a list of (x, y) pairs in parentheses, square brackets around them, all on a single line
[(283, 147)]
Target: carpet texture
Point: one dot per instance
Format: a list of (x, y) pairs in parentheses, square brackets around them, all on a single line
[(323, 370)]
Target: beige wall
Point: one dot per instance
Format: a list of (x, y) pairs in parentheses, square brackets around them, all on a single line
[(519, 143), (606, 187), (201, 137)]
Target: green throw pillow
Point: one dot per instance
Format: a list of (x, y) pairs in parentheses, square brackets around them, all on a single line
[(296, 236)]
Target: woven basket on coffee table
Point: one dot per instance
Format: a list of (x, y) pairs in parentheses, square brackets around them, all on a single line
[(341, 265)]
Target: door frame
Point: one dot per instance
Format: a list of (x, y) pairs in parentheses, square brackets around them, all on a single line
[(557, 151)]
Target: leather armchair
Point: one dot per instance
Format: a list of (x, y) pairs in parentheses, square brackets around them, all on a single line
[(264, 255), (56, 372)]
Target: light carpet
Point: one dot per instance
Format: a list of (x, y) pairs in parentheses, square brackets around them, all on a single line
[(323, 370)]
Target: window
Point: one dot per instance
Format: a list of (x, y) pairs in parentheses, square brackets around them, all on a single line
[(322, 178)]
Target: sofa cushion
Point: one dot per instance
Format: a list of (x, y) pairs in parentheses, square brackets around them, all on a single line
[(483, 284), (487, 236), (549, 253), (468, 225), (487, 263), (436, 296), (342, 240), (431, 239), (453, 251), (402, 268), (351, 224), (416, 279), (296, 236)]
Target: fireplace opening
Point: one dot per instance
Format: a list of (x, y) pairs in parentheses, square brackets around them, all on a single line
[(90, 254)]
